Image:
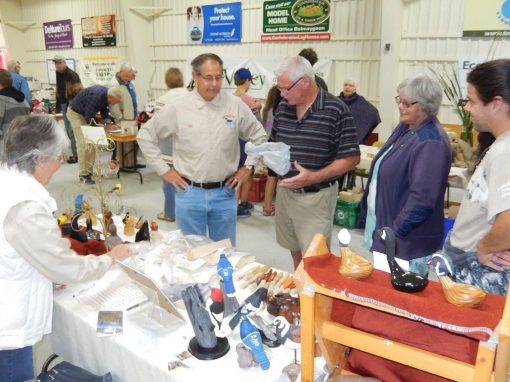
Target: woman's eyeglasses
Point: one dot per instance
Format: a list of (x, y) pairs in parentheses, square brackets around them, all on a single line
[(405, 104)]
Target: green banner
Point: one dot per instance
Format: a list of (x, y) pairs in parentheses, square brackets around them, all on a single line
[(302, 17)]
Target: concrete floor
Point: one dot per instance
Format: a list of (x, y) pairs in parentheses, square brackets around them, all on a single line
[(255, 235)]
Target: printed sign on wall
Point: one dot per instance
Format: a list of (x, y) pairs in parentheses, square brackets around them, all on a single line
[(52, 74), (296, 20), (98, 31), (214, 24), (98, 70), (488, 18), (58, 34)]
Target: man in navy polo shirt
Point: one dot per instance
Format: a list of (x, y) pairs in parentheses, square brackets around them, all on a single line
[(320, 131)]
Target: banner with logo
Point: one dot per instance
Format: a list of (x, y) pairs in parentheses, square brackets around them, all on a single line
[(296, 20), (58, 34), (214, 24), (262, 70), (98, 31), (488, 18), (98, 70)]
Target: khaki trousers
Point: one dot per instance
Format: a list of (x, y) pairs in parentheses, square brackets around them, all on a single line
[(86, 152)]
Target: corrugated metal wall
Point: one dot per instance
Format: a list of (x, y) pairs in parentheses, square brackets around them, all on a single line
[(430, 35), (356, 31)]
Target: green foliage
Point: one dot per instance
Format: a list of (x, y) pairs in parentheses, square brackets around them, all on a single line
[(449, 81)]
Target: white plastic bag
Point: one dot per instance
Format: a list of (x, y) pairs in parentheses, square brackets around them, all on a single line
[(276, 155)]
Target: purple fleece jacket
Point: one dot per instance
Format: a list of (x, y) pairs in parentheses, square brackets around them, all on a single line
[(411, 186)]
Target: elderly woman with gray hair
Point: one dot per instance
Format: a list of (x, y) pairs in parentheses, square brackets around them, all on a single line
[(33, 252), (408, 177)]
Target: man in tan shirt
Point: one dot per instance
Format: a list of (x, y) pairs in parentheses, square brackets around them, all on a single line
[(205, 126)]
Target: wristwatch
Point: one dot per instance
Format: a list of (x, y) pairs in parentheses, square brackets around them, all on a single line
[(250, 168)]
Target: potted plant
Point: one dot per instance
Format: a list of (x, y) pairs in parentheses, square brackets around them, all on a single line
[(449, 81)]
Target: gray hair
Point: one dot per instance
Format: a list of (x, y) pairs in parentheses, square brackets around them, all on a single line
[(33, 139), (115, 92), (424, 89), (351, 78), (296, 67), (12, 64), (198, 61), (127, 67)]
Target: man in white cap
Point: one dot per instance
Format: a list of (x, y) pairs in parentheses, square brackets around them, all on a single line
[(68, 85), (19, 82)]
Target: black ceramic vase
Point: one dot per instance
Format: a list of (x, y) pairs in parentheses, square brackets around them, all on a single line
[(402, 280)]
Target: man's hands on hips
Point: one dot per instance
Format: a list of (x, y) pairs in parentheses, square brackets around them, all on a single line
[(175, 179), (239, 177)]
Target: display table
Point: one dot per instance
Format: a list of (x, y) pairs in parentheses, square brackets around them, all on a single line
[(382, 325), (126, 146), (142, 354)]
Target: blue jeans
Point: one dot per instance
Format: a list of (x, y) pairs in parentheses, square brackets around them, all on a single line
[(198, 211), (69, 129), (169, 193), (467, 269), (16, 365)]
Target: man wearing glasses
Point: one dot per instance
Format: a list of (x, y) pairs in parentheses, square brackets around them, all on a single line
[(205, 126), (479, 243), (320, 131)]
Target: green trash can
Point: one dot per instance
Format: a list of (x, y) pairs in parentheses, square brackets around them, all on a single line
[(346, 213)]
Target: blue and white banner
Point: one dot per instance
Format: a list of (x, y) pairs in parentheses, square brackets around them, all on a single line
[(214, 24)]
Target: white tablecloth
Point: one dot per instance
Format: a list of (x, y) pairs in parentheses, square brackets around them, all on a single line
[(141, 354)]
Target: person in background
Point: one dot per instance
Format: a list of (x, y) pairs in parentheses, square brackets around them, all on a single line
[(312, 58), (273, 99), (205, 126), (175, 83), (320, 131), (12, 102), (127, 109), (34, 253), (19, 82), (478, 246), (366, 116), (408, 177), (242, 80), (84, 107), (68, 85)]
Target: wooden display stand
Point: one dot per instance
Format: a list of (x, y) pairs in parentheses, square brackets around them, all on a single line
[(492, 357)]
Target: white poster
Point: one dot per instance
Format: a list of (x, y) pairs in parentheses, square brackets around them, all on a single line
[(98, 70), (52, 75), (262, 71)]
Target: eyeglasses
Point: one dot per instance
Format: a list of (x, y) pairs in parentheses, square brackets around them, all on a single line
[(404, 103), (462, 102), (211, 78), (288, 89), (61, 158)]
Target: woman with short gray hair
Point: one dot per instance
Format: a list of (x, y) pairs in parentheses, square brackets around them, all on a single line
[(408, 177), (34, 254)]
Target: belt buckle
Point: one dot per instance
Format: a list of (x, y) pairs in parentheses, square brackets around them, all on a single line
[(298, 190)]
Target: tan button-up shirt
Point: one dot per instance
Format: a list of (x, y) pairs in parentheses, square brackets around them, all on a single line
[(205, 136)]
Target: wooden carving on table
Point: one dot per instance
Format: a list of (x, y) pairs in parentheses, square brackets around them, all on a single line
[(352, 265), (402, 280), (205, 345), (469, 296)]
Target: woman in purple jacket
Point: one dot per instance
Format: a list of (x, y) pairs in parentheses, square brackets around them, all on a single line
[(408, 177)]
